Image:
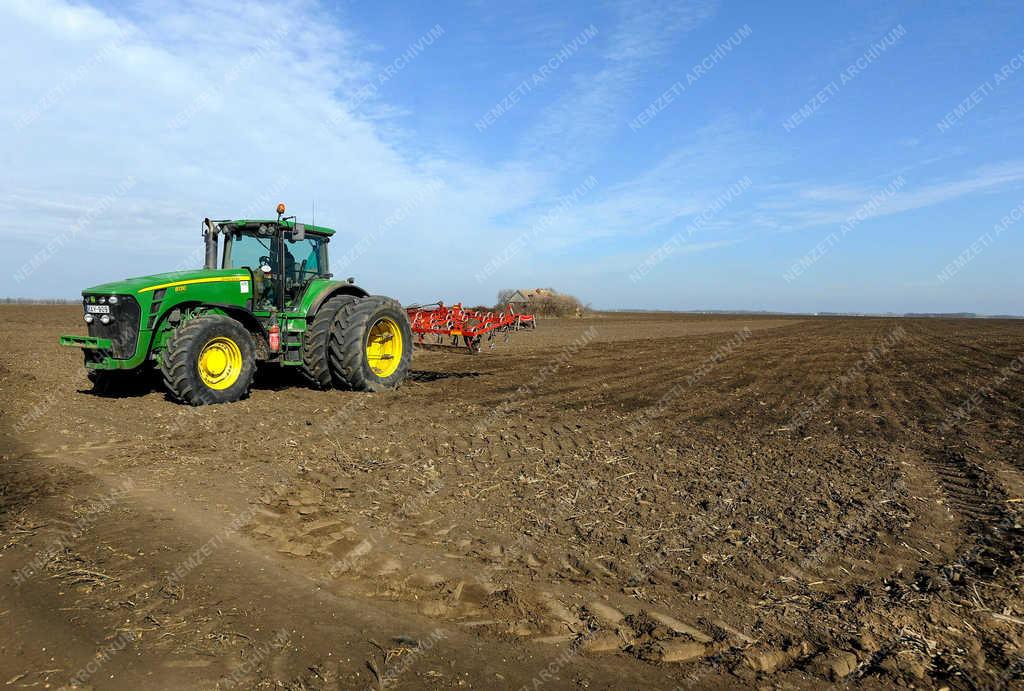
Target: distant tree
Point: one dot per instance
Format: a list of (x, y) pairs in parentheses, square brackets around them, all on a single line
[(39, 301), (556, 304), (549, 304)]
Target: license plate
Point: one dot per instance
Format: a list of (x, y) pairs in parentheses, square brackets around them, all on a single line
[(98, 309)]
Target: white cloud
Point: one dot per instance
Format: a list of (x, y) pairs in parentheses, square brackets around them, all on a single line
[(793, 206), (593, 106), (211, 108), (647, 29)]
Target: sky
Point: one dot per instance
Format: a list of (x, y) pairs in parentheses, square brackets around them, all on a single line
[(798, 156)]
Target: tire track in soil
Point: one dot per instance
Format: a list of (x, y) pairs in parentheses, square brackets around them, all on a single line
[(975, 495), (215, 612), (477, 577)]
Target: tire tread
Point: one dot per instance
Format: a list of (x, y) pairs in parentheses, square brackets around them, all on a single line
[(315, 342), (176, 366), (345, 345)]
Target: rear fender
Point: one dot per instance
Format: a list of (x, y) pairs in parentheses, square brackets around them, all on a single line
[(332, 291)]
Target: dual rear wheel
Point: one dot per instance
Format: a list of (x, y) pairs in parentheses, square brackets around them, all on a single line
[(369, 346)]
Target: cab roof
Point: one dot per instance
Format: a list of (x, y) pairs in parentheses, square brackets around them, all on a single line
[(243, 222)]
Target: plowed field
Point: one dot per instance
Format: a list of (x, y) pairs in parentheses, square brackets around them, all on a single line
[(623, 501)]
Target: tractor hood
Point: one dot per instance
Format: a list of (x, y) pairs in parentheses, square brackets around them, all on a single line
[(131, 286)]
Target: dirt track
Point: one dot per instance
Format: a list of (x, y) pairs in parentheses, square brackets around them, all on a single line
[(763, 501)]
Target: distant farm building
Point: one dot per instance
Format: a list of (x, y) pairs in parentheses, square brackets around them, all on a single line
[(544, 301), (526, 296)]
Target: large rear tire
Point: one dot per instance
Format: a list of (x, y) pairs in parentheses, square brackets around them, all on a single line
[(209, 359), (370, 345), (315, 359)]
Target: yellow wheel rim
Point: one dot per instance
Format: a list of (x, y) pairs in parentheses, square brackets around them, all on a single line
[(384, 347), (220, 363)]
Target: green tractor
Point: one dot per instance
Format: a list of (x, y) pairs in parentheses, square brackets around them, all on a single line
[(270, 298)]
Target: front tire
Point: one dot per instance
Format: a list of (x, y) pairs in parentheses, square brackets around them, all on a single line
[(370, 345), (209, 359)]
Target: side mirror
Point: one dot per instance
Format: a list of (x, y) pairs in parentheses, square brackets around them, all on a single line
[(299, 232)]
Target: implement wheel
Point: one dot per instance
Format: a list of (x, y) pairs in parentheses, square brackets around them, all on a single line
[(370, 345), (315, 358), (209, 359)]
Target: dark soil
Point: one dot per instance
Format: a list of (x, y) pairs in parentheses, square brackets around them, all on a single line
[(627, 501)]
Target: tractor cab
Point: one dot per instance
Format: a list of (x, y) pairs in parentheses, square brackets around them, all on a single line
[(284, 256)]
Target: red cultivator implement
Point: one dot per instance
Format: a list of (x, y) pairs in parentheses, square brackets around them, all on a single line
[(445, 328)]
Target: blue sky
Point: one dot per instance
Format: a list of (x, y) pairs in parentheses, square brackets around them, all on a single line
[(461, 148)]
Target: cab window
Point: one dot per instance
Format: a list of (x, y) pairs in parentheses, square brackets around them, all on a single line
[(305, 255), (302, 264)]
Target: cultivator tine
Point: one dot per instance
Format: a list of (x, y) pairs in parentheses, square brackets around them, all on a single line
[(456, 322)]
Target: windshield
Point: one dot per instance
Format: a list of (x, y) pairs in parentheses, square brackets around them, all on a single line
[(250, 251)]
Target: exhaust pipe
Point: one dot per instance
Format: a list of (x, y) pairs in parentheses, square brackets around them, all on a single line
[(210, 231)]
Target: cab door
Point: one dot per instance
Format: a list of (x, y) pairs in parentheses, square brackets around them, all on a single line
[(302, 263), (259, 254)]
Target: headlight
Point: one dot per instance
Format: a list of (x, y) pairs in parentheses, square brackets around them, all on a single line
[(112, 299), (89, 319), (102, 300), (105, 319)]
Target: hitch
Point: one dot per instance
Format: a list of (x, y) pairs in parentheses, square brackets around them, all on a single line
[(88, 342)]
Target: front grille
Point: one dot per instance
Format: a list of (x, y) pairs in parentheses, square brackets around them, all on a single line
[(123, 330)]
